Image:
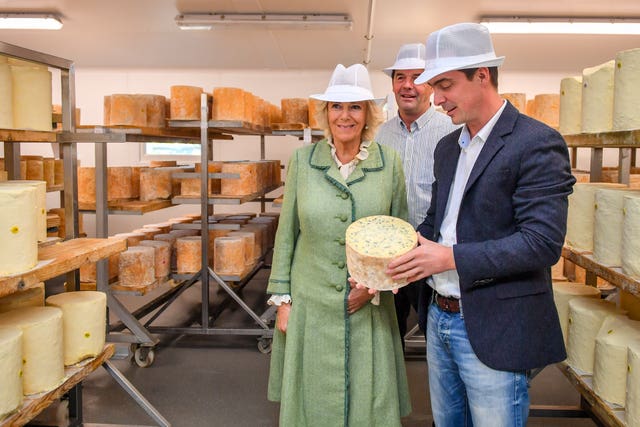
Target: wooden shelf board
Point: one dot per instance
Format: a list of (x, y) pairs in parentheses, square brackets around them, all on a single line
[(74, 374), (118, 289), (289, 126), (225, 199), (224, 126), (129, 206), (97, 133), (53, 188), (61, 258), (23, 135), (615, 139)]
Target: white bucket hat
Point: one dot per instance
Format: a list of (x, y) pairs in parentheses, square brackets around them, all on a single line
[(410, 57), (458, 47), (350, 84)]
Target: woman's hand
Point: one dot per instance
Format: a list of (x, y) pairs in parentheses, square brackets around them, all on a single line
[(282, 317), (358, 297)]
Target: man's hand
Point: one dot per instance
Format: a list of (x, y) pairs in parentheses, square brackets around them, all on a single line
[(423, 261), (282, 317), (358, 296)]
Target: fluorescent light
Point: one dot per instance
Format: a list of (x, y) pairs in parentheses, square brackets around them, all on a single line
[(29, 21), (558, 25), (208, 21)]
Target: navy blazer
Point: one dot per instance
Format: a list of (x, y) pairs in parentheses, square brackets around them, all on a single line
[(510, 231)]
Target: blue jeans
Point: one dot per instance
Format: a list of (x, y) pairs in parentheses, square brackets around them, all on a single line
[(464, 391)]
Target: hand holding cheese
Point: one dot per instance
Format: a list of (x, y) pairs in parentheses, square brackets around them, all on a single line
[(423, 261)]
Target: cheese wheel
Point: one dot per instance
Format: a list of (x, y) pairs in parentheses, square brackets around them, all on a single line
[(228, 104), (39, 208), (32, 297), (10, 369), (156, 183), (275, 114), (519, 100), (87, 185), (119, 183), (630, 252), (88, 271), (586, 316), (188, 254), (260, 233), (371, 243), (48, 171), (229, 257), (571, 105), (312, 111), (185, 102), (271, 224), (607, 230), (581, 213), (84, 315), (546, 108), (136, 266), (171, 239), (106, 110), (58, 171), (213, 235), (631, 304), (530, 107), (632, 400), (249, 106), (32, 107), (610, 365), (249, 239), (6, 96), (246, 184), (563, 292), (156, 110), (35, 167), (597, 98), (42, 346), (626, 95), (162, 256), (295, 110), (18, 228), (4, 175), (213, 167), (128, 110)]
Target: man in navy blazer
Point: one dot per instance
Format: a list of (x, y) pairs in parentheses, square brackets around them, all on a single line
[(495, 226)]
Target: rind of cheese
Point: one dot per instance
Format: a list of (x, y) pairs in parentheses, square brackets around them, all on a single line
[(40, 207), (87, 184), (171, 239), (563, 292), (32, 106), (6, 95), (229, 257), (185, 102), (571, 105), (58, 171), (610, 366), (519, 100), (632, 401), (18, 229), (136, 266), (249, 106), (371, 243), (607, 225), (48, 171), (162, 256), (626, 90), (32, 297), (42, 346), (156, 183), (597, 98), (35, 167), (275, 114), (188, 254), (119, 183), (295, 110), (228, 104), (10, 369), (128, 110), (156, 110), (246, 184), (546, 108), (84, 316), (630, 254), (631, 304), (249, 239)]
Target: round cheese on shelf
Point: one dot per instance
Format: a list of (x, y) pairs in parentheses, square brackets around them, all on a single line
[(84, 315), (249, 239), (228, 104), (586, 316), (32, 106), (371, 243), (295, 110), (546, 109), (610, 366), (229, 257), (162, 256), (188, 254), (632, 400), (10, 370), (136, 266), (40, 206), (571, 105), (6, 97), (185, 102), (597, 98), (563, 292), (607, 230), (42, 346), (33, 297), (626, 97), (156, 110), (519, 100), (128, 110), (630, 255), (18, 229)]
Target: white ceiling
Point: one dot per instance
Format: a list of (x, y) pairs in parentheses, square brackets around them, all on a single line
[(143, 34)]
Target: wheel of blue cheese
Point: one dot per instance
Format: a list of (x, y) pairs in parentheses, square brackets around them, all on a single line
[(371, 243)]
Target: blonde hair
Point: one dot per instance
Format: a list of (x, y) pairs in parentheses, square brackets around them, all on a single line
[(374, 119)]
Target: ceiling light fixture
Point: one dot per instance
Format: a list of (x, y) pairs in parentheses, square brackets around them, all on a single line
[(208, 21), (560, 25), (30, 21)]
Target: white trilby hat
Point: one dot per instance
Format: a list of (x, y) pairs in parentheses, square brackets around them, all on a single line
[(410, 57), (349, 84), (458, 47)]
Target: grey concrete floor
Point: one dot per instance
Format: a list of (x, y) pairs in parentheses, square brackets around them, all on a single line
[(205, 381)]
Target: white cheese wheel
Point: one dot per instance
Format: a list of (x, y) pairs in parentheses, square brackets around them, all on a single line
[(32, 297), (162, 256), (136, 266), (626, 98), (580, 217), (18, 229), (571, 105), (610, 366), (188, 254), (40, 206), (32, 107), (84, 315), (597, 98), (586, 316), (6, 95), (371, 243), (42, 346), (563, 292), (607, 230), (630, 256), (10, 370), (632, 401)]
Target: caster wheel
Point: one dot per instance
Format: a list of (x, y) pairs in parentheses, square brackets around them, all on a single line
[(143, 356), (264, 345)]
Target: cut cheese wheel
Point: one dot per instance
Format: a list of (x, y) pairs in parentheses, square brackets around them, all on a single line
[(371, 243), (607, 225), (31, 90), (632, 400), (630, 252), (597, 98), (229, 257), (563, 292), (228, 104), (10, 369), (33, 297), (6, 96), (586, 316), (18, 228), (128, 110), (137, 266), (295, 110), (40, 209), (610, 365), (35, 167), (546, 109), (626, 86), (571, 105), (84, 315), (156, 183), (162, 256), (42, 346), (189, 254), (580, 217), (519, 100), (185, 102)]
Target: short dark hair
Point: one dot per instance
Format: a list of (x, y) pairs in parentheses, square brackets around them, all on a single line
[(493, 75)]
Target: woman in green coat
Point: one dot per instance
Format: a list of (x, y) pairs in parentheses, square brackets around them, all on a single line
[(336, 356)]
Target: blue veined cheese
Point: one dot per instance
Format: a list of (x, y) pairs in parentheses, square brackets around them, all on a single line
[(371, 243)]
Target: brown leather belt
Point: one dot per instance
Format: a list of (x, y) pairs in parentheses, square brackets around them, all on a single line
[(448, 304)]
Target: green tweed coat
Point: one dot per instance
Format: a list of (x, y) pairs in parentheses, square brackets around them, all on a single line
[(333, 369)]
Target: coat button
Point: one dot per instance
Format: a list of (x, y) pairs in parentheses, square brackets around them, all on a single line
[(339, 288), (340, 264), (345, 196), (340, 241), (343, 218)]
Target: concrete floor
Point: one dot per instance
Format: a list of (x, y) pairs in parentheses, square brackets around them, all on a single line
[(205, 381)]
